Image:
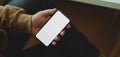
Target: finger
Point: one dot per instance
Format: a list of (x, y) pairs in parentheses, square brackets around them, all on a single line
[(57, 38), (54, 43), (62, 33), (50, 11), (53, 11), (68, 26)]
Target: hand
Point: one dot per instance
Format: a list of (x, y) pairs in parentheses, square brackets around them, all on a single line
[(62, 33), (40, 18)]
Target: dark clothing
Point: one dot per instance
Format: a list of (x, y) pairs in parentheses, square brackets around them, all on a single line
[(73, 44)]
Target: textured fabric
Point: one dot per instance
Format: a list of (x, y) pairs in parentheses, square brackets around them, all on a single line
[(12, 20), (3, 41)]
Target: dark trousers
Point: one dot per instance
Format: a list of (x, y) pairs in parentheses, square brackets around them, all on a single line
[(73, 44)]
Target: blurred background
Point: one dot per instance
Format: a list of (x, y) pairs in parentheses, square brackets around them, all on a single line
[(99, 23)]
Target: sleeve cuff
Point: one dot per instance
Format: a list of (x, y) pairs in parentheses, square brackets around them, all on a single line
[(24, 23)]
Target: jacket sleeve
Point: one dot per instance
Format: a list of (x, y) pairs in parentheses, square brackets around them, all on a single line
[(3, 41), (14, 19)]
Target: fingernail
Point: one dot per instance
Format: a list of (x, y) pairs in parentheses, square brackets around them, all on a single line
[(69, 26), (53, 43), (54, 9)]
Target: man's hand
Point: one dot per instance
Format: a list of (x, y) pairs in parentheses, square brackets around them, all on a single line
[(60, 35), (40, 18)]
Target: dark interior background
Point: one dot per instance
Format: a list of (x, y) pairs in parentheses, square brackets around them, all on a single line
[(99, 24)]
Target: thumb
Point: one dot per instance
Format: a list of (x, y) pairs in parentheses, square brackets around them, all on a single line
[(50, 11)]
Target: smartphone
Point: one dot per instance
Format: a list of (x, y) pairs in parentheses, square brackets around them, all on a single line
[(52, 28)]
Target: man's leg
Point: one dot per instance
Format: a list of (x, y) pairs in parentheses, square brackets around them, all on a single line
[(75, 44)]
